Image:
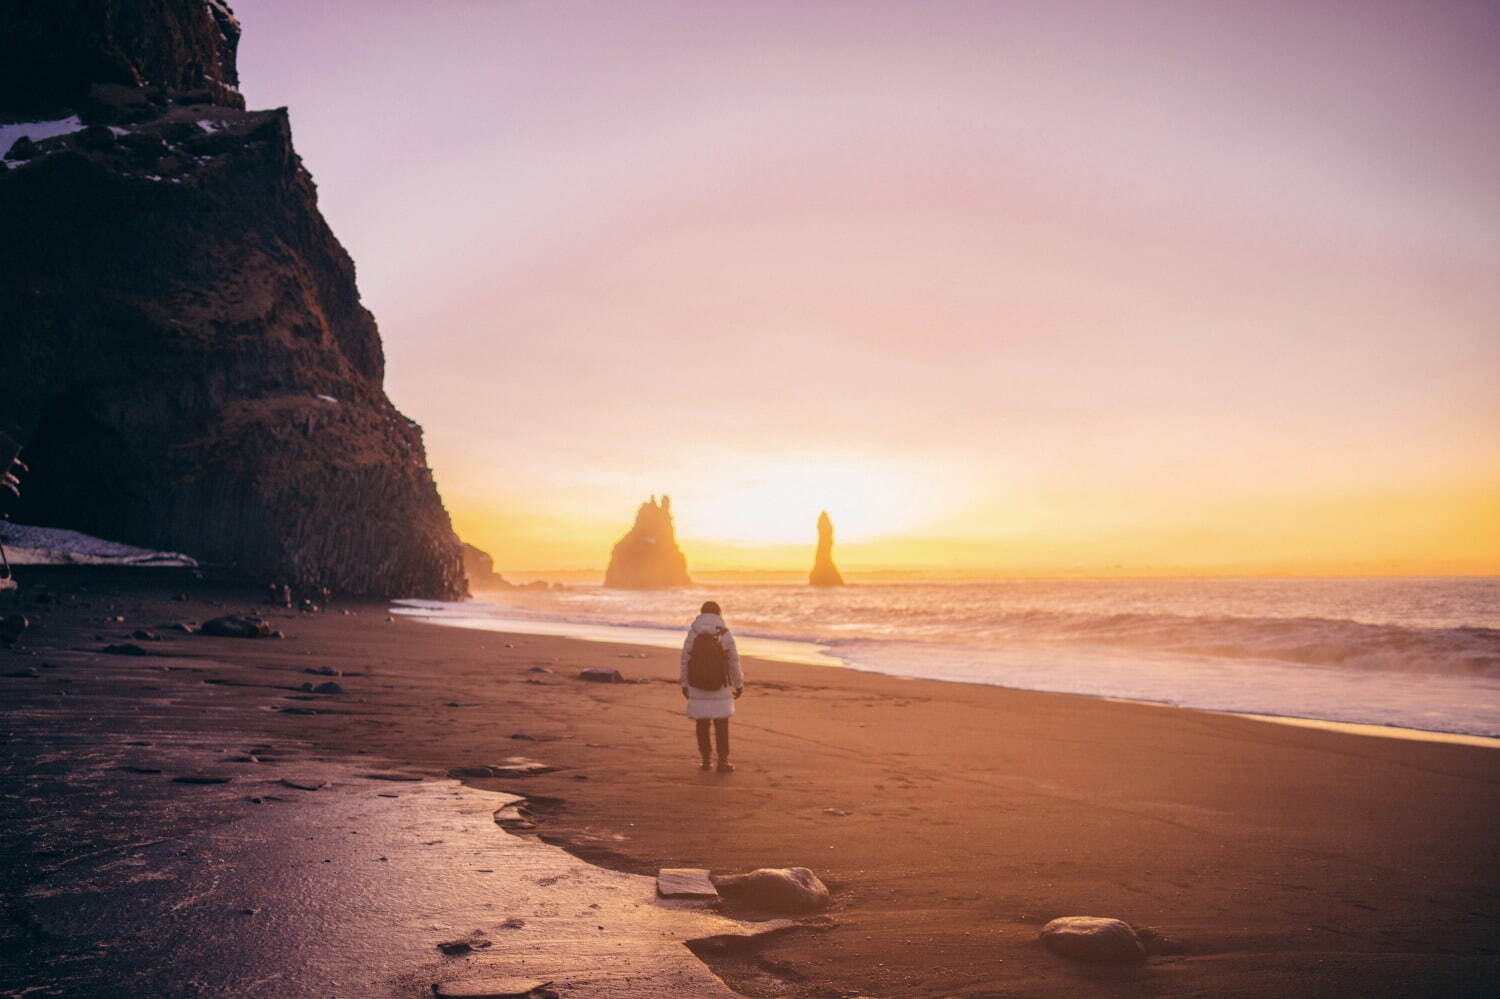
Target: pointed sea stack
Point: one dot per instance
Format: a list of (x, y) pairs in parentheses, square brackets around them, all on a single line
[(824, 572), (648, 558), (186, 359)]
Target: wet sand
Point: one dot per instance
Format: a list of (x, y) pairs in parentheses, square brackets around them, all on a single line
[(1276, 859)]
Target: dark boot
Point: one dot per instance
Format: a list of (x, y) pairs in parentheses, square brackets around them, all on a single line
[(721, 743)]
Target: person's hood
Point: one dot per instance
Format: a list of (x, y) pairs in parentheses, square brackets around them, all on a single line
[(712, 623)]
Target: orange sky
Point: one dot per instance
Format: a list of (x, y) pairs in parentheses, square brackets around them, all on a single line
[(1023, 288)]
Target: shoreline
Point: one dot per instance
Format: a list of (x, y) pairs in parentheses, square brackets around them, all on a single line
[(950, 821), (818, 654)]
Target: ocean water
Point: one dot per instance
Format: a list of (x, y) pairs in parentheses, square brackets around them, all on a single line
[(1420, 653)]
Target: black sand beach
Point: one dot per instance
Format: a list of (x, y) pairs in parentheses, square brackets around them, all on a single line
[(950, 821)]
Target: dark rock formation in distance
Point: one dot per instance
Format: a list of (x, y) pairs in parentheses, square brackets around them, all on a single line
[(480, 570), (647, 558), (186, 359), (824, 572)]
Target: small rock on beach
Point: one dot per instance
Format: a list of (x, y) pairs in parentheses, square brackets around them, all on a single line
[(1096, 939), (236, 626), (520, 766), (302, 784), (494, 988), (778, 889)]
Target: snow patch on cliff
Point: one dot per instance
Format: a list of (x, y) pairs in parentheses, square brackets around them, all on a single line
[(25, 545), (36, 131)]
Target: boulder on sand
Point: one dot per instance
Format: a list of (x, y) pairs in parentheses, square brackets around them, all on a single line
[(595, 674), (777, 889), (12, 627), (236, 626), (1093, 938)]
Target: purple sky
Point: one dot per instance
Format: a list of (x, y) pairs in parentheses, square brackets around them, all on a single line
[(1034, 287)]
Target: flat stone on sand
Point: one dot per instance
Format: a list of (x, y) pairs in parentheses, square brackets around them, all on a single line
[(491, 988), (302, 783), (1093, 938), (685, 882), (470, 773), (520, 766)]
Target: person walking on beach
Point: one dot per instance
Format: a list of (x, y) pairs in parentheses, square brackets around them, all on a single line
[(711, 681)]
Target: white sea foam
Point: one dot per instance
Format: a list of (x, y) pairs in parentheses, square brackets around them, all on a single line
[(1419, 653)]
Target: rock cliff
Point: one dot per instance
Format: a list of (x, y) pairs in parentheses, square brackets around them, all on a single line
[(824, 572), (53, 54), (187, 361), (480, 570), (647, 558)]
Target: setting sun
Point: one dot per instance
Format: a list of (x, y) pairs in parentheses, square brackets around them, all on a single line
[(774, 500)]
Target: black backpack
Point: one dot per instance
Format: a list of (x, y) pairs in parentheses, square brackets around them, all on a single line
[(708, 666)]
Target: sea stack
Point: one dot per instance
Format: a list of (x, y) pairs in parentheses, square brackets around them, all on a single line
[(824, 572), (186, 359), (479, 568), (647, 558)]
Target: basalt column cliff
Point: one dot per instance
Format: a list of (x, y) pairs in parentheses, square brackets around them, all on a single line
[(185, 356)]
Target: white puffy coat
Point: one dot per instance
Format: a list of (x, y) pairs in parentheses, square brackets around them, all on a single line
[(711, 703)]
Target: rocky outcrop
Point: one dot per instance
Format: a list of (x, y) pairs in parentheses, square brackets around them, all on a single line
[(479, 568), (824, 572), (187, 361), (648, 558), (54, 54)]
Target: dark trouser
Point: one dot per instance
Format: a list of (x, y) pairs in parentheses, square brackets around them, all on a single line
[(721, 736)]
